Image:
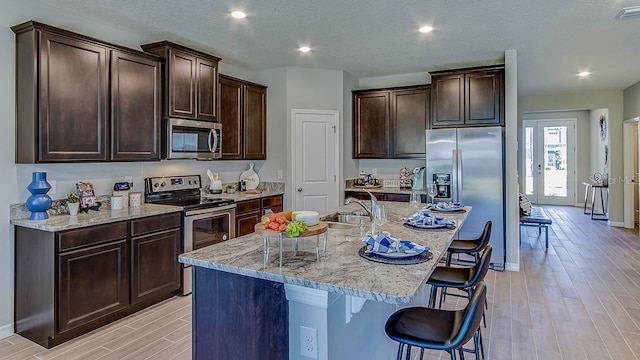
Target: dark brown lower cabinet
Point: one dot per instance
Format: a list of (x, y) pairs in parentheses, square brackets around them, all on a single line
[(398, 197), (70, 282), (249, 212), (94, 282)]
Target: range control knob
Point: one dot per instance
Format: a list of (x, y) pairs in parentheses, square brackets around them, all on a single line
[(156, 185), (162, 184)]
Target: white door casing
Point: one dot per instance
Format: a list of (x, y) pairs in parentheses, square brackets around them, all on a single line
[(553, 180), (314, 168)]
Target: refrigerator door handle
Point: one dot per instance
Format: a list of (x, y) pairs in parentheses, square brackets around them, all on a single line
[(460, 176), (454, 176)]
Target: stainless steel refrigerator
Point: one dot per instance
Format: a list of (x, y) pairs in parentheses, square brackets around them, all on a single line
[(467, 165)]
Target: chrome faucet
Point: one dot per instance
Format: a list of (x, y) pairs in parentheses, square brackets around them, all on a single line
[(369, 210)]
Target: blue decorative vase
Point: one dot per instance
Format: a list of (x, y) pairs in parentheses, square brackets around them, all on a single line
[(39, 202)]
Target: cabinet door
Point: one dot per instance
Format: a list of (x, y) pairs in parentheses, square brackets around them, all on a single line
[(397, 197), (207, 89), (255, 123), (231, 112), (135, 107), (92, 283), (447, 100), (73, 100), (371, 125), (410, 120), (273, 203), (155, 269), (484, 98), (245, 223), (182, 84)]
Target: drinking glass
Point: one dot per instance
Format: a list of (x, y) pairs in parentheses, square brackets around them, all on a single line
[(415, 200), (433, 191), (380, 215)]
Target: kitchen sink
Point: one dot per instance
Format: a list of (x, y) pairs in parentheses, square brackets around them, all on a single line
[(345, 220)]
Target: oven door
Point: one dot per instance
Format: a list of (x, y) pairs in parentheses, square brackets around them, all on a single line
[(203, 228)]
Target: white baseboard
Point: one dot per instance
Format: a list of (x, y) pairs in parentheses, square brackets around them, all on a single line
[(512, 266), (6, 331), (616, 223)]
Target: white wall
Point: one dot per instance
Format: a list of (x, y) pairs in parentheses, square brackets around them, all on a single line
[(419, 78), (632, 101), (598, 145), (611, 100), (349, 164)]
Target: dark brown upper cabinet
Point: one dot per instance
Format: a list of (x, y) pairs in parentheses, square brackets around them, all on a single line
[(135, 107), (390, 123), (467, 97), (190, 81), (72, 108), (243, 115)]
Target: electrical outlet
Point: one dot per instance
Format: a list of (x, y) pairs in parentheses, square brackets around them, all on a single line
[(128, 179), (54, 187), (374, 171), (280, 176), (391, 183), (309, 342)]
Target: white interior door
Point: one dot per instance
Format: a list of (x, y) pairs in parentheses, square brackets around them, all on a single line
[(314, 159), (549, 158)]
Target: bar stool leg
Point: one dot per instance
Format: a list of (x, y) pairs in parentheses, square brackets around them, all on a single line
[(593, 201), (452, 353), (408, 356), (400, 348)]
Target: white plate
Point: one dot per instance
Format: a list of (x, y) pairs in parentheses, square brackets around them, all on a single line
[(451, 209), (397, 255)]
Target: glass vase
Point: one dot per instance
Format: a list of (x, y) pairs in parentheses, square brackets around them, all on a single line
[(39, 202)]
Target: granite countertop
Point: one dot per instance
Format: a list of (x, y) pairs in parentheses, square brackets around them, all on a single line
[(67, 222), (340, 269), (385, 190)]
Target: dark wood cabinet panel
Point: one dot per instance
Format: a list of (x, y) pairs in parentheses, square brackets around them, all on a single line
[(273, 203), (484, 93), (190, 81), (182, 84), (468, 97), (231, 117), (371, 125), (91, 235), (390, 123), (243, 115), (245, 223), (361, 195), (410, 119), (156, 223), (207, 94), (397, 197), (448, 100), (154, 264), (73, 99), (255, 122), (135, 107), (93, 283)]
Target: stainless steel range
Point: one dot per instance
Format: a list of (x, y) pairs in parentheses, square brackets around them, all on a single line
[(205, 221)]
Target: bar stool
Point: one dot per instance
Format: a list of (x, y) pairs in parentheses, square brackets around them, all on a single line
[(429, 328), (471, 247)]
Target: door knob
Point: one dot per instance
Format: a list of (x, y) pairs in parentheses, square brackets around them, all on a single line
[(299, 189)]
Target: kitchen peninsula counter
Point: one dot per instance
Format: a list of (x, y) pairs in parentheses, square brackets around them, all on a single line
[(244, 308)]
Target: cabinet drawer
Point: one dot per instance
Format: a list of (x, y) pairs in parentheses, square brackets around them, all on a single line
[(155, 223), (272, 202), (74, 239), (245, 223), (249, 205)]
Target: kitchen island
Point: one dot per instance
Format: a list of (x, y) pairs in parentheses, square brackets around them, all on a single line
[(244, 308)]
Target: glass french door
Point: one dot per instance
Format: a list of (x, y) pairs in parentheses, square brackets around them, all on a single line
[(549, 159)]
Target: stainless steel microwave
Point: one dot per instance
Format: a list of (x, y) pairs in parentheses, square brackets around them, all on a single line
[(192, 139)]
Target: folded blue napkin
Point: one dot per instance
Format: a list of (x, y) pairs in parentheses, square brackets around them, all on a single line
[(384, 243), (424, 217), (446, 205)]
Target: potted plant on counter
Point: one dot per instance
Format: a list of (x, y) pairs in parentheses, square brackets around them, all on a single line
[(231, 188), (73, 203)]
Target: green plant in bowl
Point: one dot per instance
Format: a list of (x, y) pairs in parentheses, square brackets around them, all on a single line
[(73, 198)]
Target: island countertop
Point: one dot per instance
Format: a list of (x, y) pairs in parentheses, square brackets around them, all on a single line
[(340, 270)]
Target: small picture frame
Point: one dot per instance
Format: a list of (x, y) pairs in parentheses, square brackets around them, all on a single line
[(87, 195)]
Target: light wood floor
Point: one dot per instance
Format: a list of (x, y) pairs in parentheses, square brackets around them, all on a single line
[(578, 300)]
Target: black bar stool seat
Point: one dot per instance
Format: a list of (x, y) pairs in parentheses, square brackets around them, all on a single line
[(471, 247)]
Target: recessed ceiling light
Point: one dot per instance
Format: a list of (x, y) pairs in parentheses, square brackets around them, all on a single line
[(629, 11), (304, 49), (584, 73), (425, 29), (238, 14)]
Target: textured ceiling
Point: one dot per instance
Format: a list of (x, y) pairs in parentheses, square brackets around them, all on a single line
[(368, 38)]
